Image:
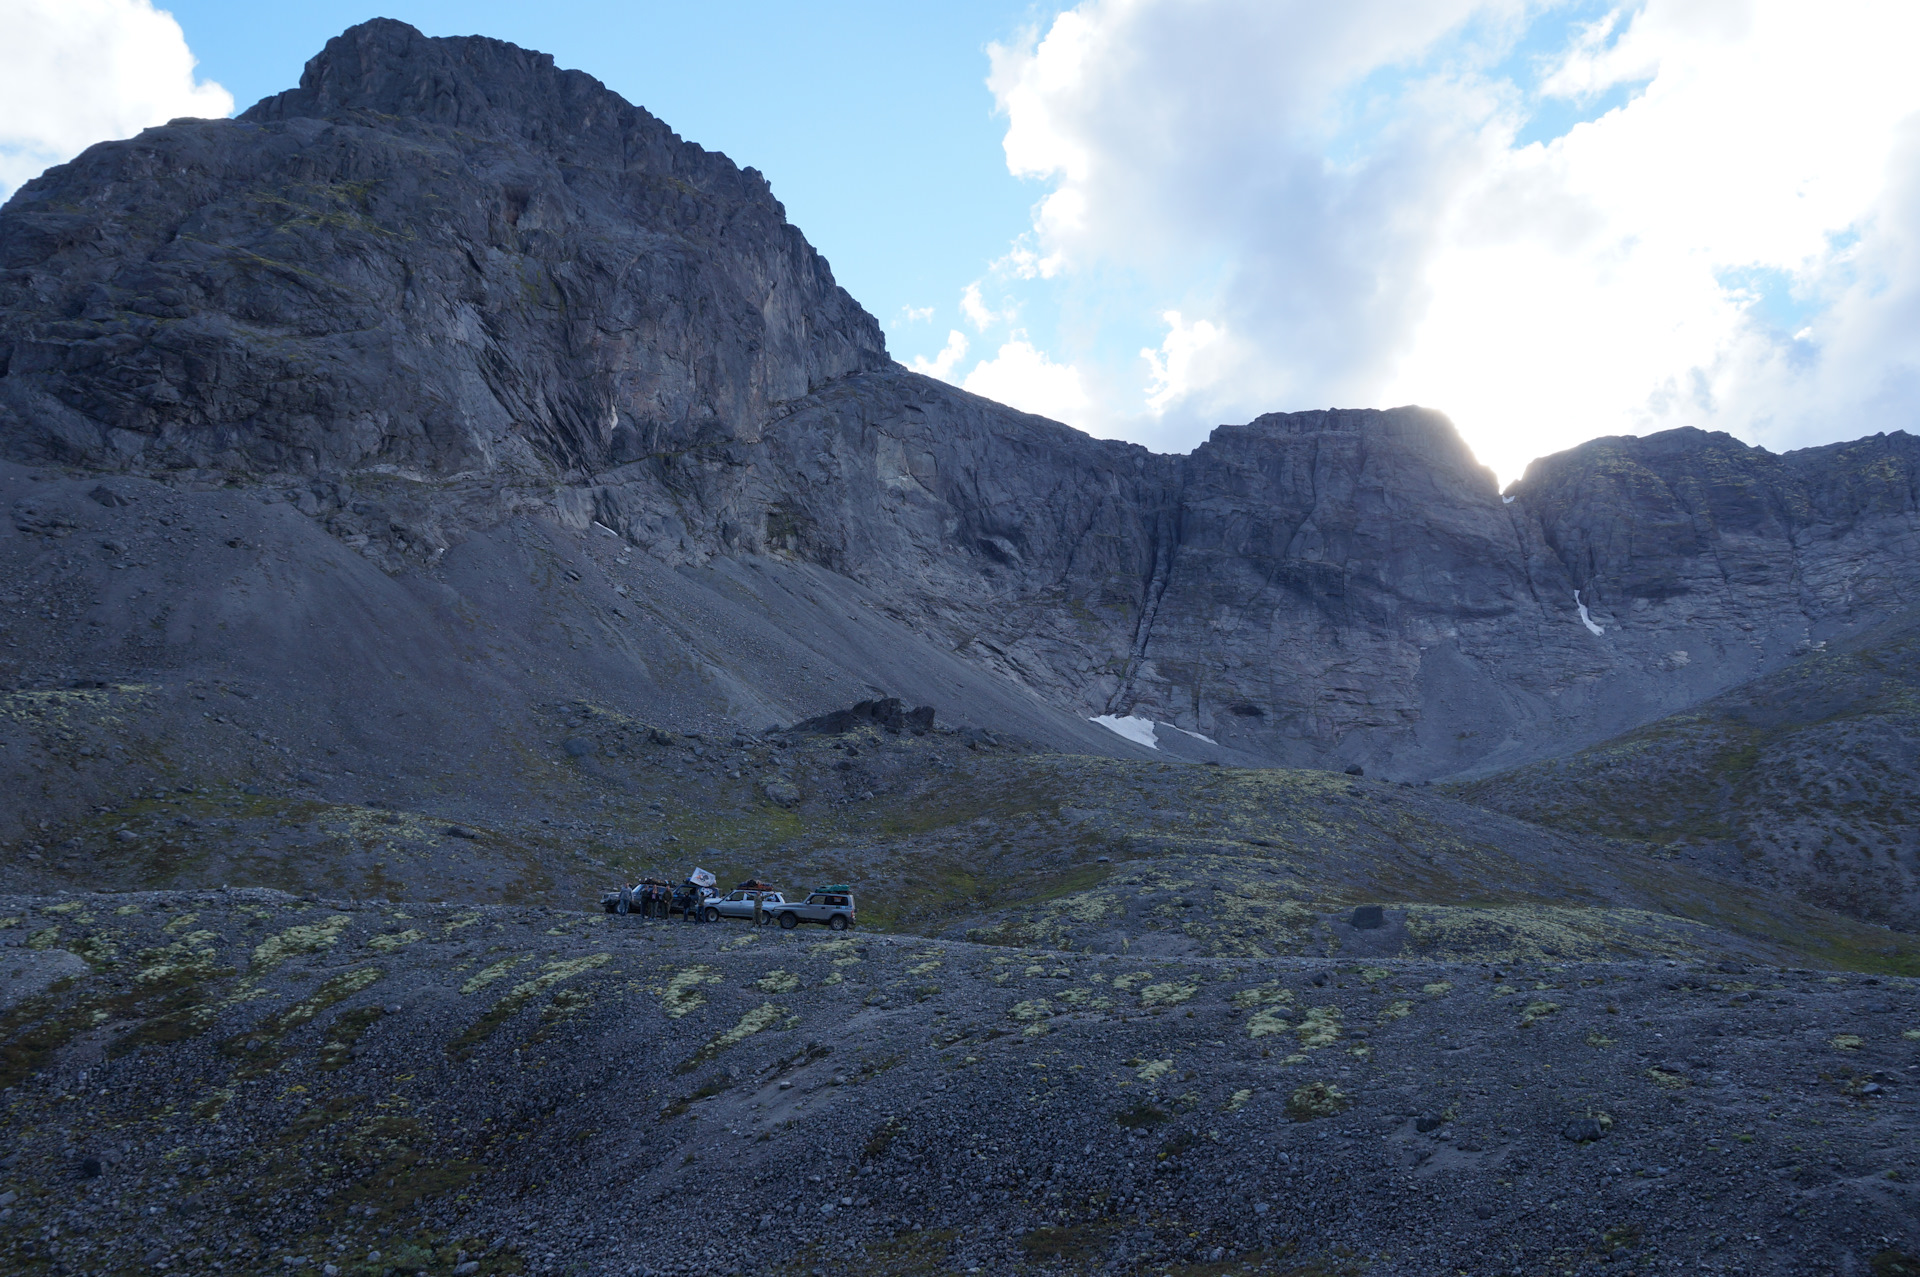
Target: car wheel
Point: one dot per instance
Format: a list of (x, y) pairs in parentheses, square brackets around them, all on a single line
[(788, 922), (713, 915), (836, 923), (604, 905), (623, 907)]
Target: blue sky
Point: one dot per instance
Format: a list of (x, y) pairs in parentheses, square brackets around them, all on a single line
[(1551, 219)]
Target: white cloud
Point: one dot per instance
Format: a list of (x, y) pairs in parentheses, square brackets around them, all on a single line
[(76, 72), (976, 311), (1340, 189), (1171, 369), (1027, 379), (916, 314), (942, 364)]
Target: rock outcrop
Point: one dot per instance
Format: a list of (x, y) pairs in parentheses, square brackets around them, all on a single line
[(443, 288)]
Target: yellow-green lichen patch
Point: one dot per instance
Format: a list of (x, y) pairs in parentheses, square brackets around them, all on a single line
[(1034, 1014), (1525, 933), (1267, 1023), (1317, 1099), (841, 951), (1167, 994), (190, 958), (335, 990), (181, 923), (394, 940), (1263, 995), (681, 993), (1848, 1042), (761, 1018), (1154, 1070), (1399, 1009), (261, 1049), (1537, 1010), (1438, 988), (778, 982), (295, 941), (488, 975), (519, 995), (1238, 1101), (923, 968), (1319, 1027), (555, 972), (45, 938)]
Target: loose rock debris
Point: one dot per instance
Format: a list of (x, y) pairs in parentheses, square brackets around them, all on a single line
[(245, 1081)]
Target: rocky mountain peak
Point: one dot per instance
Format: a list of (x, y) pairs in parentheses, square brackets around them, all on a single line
[(441, 256), (385, 68)]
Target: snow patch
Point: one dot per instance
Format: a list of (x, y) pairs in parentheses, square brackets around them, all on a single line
[(1506, 500), (1137, 730), (1586, 619), (1197, 736)]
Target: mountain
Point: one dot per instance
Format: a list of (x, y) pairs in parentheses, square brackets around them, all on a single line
[(441, 493), (445, 293)]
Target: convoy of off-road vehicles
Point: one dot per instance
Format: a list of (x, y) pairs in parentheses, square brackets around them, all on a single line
[(699, 899)]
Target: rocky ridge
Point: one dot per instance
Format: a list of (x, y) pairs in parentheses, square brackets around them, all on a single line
[(444, 289)]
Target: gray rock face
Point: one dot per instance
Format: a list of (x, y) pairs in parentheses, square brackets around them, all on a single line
[(443, 287), (435, 256)]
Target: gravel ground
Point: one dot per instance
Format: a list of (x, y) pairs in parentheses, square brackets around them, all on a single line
[(246, 1081)]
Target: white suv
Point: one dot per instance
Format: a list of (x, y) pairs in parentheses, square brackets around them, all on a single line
[(739, 904), (834, 908)]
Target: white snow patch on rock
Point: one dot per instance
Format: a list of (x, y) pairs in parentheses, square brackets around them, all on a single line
[(1585, 619), (1197, 736), (1137, 730)]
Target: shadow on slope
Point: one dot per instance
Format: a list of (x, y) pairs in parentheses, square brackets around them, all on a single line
[(1806, 781)]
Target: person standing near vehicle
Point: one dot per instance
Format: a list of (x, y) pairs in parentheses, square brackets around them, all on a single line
[(758, 896)]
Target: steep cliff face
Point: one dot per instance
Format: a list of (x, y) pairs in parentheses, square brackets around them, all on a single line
[(441, 256), (443, 287)]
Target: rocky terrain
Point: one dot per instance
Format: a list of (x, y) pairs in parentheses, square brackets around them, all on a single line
[(442, 494), (1804, 780), (244, 1081)]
